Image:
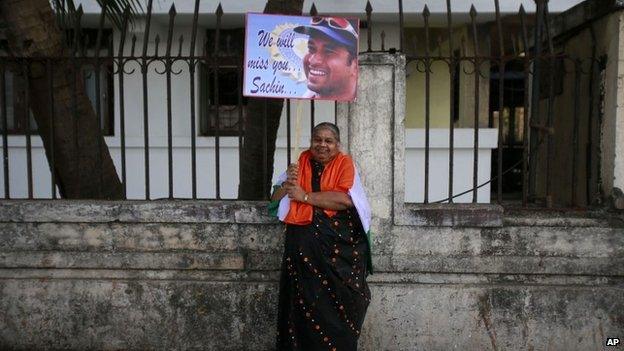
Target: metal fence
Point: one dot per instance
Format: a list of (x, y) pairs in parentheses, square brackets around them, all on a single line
[(532, 57)]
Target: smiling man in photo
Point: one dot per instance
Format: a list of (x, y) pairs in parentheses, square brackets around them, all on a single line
[(331, 61)]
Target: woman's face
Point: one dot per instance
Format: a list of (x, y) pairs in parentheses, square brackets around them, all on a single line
[(324, 145)]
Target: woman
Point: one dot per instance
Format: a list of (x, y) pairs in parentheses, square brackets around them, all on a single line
[(323, 293)]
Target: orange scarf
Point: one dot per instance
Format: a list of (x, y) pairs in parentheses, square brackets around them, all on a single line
[(338, 175)]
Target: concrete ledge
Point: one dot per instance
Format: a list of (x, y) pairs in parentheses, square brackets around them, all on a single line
[(379, 278), (139, 237), (108, 260), (451, 215), (501, 264), (166, 211), (563, 218)]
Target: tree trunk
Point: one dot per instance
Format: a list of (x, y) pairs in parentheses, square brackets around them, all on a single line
[(82, 164), (253, 183)]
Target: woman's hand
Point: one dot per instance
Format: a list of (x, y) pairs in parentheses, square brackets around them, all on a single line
[(292, 173), (295, 191)]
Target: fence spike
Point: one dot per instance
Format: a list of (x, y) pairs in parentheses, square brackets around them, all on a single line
[(124, 29), (313, 11), (462, 47), (401, 26), (134, 39), (473, 11), (524, 30), (449, 23), (147, 27), (194, 30), (84, 44), (475, 37), (172, 14), (98, 40), (205, 46), (383, 40), (369, 26), (181, 42), (109, 46), (77, 21), (439, 41), (499, 26), (219, 13), (157, 44)]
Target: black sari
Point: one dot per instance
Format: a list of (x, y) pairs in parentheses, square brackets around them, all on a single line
[(323, 293)]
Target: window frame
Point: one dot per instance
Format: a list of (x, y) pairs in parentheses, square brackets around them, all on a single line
[(106, 94), (230, 60)]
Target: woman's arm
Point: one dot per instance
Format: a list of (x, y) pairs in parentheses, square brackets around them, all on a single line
[(279, 193), (330, 200)]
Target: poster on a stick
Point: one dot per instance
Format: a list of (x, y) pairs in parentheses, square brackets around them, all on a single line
[(301, 57)]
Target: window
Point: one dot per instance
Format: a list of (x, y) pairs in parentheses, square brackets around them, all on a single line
[(232, 109), (15, 87)]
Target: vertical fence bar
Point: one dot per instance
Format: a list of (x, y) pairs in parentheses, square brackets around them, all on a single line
[(525, 114), (168, 68), (382, 36), (369, 26), (426, 14), (452, 68), (192, 62), (535, 96), (477, 71), (240, 116), (74, 98), (288, 156), (264, 150), (50, 73), (98, 102), (5, 139), (217, 124), (575, 135), (501, 101), (122, 112), (144, 66), (590, 117), (552, 62), (312, 113), (26, 72), (401, 26)]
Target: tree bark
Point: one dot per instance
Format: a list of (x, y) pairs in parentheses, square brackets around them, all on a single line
[(253, 183), (82, 163)]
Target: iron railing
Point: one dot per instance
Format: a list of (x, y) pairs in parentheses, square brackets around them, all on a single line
[(527, 49)]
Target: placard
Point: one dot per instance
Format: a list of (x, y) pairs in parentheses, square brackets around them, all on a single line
[(301, 57)]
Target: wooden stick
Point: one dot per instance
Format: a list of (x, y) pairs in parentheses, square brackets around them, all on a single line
[(297, 129)]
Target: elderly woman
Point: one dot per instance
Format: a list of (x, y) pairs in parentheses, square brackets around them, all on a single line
[(323, 293)]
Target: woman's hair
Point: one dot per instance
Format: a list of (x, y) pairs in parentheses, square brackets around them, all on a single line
[(327, 125)]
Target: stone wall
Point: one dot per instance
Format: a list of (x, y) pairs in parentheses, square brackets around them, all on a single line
[(203, 275)]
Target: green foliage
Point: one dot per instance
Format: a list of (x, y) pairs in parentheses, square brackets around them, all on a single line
[(115, 11)]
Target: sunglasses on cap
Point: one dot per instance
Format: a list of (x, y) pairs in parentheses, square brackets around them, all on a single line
[(336, 23)]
